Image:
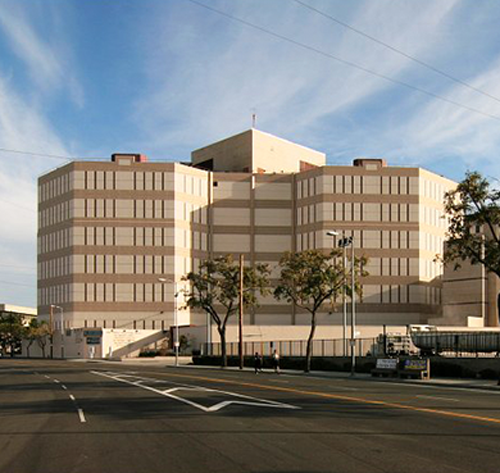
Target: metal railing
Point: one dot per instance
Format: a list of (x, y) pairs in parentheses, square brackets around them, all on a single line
[(287, 348)]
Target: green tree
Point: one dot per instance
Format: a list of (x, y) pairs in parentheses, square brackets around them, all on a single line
[(37, 331), (29, 336), (43, 334), (473, 210), (11, 333), (214, 288), (311, 278)]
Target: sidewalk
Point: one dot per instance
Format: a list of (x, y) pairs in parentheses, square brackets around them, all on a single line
[(483, 384), (146, 361), (186, 362)]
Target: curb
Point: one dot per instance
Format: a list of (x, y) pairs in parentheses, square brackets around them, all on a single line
[(445, 383)]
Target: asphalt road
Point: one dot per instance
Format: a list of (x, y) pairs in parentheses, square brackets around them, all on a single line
[(69, 417)]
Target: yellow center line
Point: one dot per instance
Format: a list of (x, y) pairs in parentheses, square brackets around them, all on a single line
[(339, 397)]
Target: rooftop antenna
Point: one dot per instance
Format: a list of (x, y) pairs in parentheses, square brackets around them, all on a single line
[(254, 119)]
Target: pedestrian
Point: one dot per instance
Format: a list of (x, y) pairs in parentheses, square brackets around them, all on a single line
[(257, 363), (276, 362)]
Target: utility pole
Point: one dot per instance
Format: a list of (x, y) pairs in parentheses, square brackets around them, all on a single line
[(344, 296), (353, 312), (51, 326), (240, 345)]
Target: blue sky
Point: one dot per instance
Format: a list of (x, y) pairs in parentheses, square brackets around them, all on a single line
[(164, 77)]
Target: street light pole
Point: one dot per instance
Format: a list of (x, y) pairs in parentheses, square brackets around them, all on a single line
[(344, 299), (176, 322), (344, 243), (353, 312), (240, 318), (335, 234)]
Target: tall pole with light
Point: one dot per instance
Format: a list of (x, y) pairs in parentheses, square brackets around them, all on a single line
[(240, 318), (344, 243), (335, 234), (176, 322), (53, 306), (353, 311)]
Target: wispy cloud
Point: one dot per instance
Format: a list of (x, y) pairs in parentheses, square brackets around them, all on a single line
[(42, 49), (22, 127), (441, 126), (229, 69)]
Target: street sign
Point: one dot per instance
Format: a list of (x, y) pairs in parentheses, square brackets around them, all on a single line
[(92, 333)]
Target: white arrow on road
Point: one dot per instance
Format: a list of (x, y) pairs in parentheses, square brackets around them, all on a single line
[(240, 399)]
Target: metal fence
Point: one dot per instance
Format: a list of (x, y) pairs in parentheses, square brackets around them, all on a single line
[(364, 346)]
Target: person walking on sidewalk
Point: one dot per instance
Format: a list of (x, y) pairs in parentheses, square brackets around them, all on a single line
[(257, 363), (276, 362)]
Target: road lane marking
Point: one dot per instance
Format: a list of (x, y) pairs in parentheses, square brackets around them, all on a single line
[(447, 387), (438, 398), (341, 397), (82, 416), (240, 399), (323, 378)]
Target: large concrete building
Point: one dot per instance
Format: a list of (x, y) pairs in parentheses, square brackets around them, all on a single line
[(109, 230)]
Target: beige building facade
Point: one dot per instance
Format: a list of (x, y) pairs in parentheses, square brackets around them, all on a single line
[(109, 230)]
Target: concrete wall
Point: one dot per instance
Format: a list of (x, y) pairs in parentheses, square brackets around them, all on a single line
[(95, 343), (257, 152)]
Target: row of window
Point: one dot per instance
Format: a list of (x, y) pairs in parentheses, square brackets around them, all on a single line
[(161, 265), (140, 181), (432, 243), (55, 214), (355, 211), (55, 187), (141, 324), (106, 292), (161, 237), (56, 240), (100, 292), (434, 217), (192, 185), (401, 294), (392, 267), (388, 185), (364, 239), (122, 208), (433, 190), (106, 264)]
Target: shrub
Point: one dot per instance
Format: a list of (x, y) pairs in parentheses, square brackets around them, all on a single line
[(488, 373), (148, 353)]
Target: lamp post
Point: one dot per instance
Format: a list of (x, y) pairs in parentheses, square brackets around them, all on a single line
[(483, 280), (53, 306), (176, 323), (344, 243), (335, 234)]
